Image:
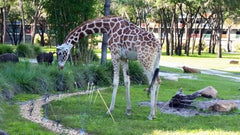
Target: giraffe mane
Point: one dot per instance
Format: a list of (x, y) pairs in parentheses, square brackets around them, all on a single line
[(84, 23)]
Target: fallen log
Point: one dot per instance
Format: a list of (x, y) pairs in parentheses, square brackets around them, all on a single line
[(181, 100)]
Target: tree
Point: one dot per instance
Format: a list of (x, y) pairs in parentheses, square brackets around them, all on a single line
[(62, 19), (14, 18), (34, 11), (23, 21), (105, 36), (5, 10)]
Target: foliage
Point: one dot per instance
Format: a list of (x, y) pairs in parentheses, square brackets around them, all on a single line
[(6, 49), (63, 19), (236, 46), (37, 39), (27, 50), (196, 46)]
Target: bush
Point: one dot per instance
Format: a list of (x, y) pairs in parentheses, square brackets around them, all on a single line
[(29, 51), (236, 45), (37, 39), (196, 46), (206, 49), (6, 49), (24, 77), (136, 71)]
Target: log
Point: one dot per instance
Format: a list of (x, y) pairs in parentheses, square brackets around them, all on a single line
[(181, 100)]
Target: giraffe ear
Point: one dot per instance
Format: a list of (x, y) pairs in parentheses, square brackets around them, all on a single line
[(59, 47)]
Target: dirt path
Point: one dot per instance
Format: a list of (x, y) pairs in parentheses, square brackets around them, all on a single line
[(31, 110)]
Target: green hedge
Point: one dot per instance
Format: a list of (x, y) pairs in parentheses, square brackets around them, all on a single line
[(27, 50), (6, 49)]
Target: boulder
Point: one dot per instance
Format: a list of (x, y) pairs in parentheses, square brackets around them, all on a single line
[(9, 57), (223, 106), (3, 132), (45, 57), (190, 70), (208, 92), (233, 62)]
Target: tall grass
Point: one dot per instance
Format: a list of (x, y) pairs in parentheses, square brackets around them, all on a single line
[(25, 77), (28, 50)]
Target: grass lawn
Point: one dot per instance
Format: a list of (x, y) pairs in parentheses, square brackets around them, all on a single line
[(14, 124), (90, 114)]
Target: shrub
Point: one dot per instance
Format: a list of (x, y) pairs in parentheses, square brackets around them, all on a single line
[(206, 49), (24, 77), (6, 49), (196, 46), (136, 71), (236, 45), (37, 39), (28, 50)]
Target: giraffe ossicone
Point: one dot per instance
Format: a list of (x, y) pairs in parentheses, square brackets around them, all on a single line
[(126, 41)]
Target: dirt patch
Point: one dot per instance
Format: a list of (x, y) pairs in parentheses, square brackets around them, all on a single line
[(199, 108)]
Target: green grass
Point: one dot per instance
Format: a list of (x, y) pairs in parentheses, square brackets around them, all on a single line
[(14, 124), (79, 112)]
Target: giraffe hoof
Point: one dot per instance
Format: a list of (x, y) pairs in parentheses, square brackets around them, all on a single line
[(151, 117), (128, 112), (108, 112)]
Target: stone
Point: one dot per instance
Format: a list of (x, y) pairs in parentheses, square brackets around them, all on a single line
[(3, 132), (208, 92), (9, 57), (223, 106), (190, 70), (233, 62)]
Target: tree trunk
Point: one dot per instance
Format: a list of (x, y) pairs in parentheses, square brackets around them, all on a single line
[(105, 36), (23, 22), (35, 21), (228, 39), (172, 32), (220, 27), (1, 27), (5, 14), (187, 37)]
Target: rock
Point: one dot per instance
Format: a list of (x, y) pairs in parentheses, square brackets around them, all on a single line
[(233, 62), (9, 57), (223, 106), (3, 132), (190, 70), (45, 57), (208, 92)]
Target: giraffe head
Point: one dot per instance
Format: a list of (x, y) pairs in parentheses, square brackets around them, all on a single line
[(63, 52)]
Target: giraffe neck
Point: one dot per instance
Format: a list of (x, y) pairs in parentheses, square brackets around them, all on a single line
[(101, 25)]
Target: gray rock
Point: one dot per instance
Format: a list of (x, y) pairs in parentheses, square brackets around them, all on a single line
[(223, 106), (3, 132), (208, 92)]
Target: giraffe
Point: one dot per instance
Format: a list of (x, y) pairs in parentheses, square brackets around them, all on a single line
[(126, 42)]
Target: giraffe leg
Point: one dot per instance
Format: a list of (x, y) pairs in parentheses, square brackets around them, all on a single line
[(115, 83), (154, 94), (125, 68)]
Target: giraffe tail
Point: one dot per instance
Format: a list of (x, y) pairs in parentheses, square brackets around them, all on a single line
[(155, 76)]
